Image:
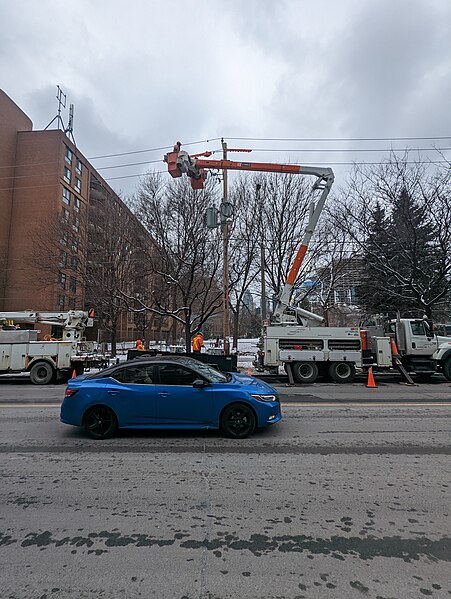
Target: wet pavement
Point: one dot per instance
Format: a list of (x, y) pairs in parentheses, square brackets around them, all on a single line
[(334, 501)]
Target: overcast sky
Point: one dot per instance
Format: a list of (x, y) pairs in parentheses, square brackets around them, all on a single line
[(145, 73)]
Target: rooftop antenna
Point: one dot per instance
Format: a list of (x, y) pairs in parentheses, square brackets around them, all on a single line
[(69, 130), (61, 97)]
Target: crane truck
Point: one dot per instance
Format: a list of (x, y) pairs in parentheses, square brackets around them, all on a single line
[(45, 361), (295, 338)]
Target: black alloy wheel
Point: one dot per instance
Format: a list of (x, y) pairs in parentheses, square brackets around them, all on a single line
[(238, 421), (100, 422)]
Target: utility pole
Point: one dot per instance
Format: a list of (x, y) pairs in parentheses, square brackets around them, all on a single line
[(262, 256), (225, 247)]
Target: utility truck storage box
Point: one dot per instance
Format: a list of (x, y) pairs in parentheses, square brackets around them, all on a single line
[(383, 352)]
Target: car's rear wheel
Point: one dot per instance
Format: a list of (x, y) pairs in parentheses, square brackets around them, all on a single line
[(100, 422), (238, 421)]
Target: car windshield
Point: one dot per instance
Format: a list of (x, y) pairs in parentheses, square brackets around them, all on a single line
[(210, 373)]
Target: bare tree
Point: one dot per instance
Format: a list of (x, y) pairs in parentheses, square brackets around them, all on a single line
[(335, 273), (398, 213), (116, 244), (185, 257), (245, 241), (91, 255)]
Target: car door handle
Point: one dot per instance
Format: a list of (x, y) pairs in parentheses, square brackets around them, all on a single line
[(113, 392), (164, 394)]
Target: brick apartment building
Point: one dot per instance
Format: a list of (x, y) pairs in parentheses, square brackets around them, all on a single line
[(48, 191)]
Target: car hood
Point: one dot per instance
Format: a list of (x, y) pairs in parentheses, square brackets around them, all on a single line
[(249, 381)]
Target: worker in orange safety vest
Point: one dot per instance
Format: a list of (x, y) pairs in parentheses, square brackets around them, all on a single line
[(139, 344), (197, 343)]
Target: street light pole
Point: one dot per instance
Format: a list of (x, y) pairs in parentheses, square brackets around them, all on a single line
[(225, 246)]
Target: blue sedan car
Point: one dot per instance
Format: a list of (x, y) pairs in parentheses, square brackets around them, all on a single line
[(169, 393)]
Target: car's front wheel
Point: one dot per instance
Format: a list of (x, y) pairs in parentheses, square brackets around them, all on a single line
[(238, 421), (100, 422)]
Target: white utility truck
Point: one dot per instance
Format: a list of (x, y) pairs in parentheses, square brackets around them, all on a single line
[(296, 340), (45, 361)]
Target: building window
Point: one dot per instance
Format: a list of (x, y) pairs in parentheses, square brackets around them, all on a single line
[(72, 284), (74, 245), (76, 225), (76, 204), (60, 302), (63, 261), (66, 196), (71, 303), (64, 238), (74, 262), (67, 174), (77, 184), (62, 280), (78, 166), (65, 215), (68, 155)]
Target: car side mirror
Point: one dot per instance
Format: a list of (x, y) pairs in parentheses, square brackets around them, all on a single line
[(200, 384)]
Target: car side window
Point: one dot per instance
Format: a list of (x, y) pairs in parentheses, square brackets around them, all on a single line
[(141, 374), (173, 374)]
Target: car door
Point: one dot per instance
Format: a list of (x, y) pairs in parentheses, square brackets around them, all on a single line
[(422, 341), (131, 393), (178, 402)]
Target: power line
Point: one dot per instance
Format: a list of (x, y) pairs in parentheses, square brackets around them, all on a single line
[(191, 143), (389, 150), (320, 139)]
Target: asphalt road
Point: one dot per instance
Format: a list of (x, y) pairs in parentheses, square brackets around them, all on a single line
[(334, 501)]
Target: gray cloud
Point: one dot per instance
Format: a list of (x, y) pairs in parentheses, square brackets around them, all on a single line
[(147, 73)]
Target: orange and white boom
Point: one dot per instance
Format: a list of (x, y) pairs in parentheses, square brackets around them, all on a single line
[(180, 162)]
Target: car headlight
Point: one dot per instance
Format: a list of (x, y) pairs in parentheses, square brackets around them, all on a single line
[(264, 397)]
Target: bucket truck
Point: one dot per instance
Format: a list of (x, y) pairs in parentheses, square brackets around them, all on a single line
[(295, 338), (45, 361)]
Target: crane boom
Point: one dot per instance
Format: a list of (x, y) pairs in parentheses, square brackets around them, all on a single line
[(180, 162)]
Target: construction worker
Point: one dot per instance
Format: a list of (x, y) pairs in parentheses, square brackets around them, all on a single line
[(139, 344), (197, 343)]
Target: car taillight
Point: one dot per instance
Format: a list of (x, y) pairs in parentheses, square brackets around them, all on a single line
[(70, 392)]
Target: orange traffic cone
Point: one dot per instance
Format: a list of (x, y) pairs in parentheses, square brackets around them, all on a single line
[(74, 374), (371, 383), (249, 372), (394, 349)]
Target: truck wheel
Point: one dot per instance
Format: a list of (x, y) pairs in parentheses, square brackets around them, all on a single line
[(447, 369), (342, 372), (305, 372), (41, 373)]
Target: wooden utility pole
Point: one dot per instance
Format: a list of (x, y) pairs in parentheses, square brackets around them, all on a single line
[(262, 256), (225, 247)]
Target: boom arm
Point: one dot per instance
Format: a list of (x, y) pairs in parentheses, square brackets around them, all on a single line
[(73, 321), (180, 162), (323, 183)]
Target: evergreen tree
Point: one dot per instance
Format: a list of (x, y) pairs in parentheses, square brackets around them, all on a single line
[(378, 250)]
